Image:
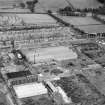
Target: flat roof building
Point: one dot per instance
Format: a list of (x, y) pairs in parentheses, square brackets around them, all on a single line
[(18, 74), (21, 77), (29, 90), (60, 53)]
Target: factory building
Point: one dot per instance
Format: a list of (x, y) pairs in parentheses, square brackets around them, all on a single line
[(21, 77), (29, 90)]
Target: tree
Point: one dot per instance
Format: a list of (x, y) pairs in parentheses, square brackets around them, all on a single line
[(31, 5), (22, 5), (1, 103), (29, 101), (102, 1)]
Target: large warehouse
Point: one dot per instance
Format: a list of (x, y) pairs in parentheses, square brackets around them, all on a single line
[(29, 90), (44, 54)]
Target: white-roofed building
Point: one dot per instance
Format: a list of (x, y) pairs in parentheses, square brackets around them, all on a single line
[(60, 53), (30, 90)]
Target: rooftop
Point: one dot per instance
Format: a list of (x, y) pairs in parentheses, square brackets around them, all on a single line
[(57, 53), (18, 74), (29, 90)]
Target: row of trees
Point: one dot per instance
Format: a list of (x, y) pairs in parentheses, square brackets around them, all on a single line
[(30, 5), (101, 1), (99, 10), (99, 19), (69, 13)]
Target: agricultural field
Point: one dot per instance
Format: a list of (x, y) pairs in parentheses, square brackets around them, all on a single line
[(19, 19), (53, 5), (78, 21), (85, 3), (15, 10), (93, 28), (87, 24), (37, 18)]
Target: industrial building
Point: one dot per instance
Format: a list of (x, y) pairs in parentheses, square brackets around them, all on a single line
[(56, 53), (21, 77), (29, 90)]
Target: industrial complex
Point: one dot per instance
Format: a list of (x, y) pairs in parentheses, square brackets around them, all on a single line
[(52, 58)]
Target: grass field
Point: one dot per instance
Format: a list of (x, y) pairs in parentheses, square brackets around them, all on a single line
[(37, 18), (85, 3), (54, 4), (88, 24), (79, 20), (93, 28), (16, 19)]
